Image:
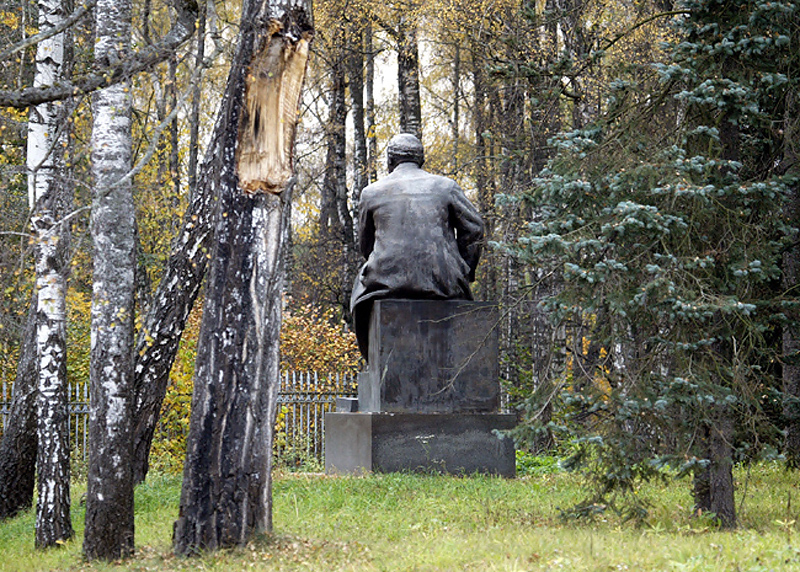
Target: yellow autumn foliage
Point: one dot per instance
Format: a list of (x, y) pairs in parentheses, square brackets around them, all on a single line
[(313, 339)]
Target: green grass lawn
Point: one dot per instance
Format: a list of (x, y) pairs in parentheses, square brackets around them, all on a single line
[(417, 522)]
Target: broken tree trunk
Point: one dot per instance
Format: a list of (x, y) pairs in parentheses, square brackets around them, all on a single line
[(227, 495)]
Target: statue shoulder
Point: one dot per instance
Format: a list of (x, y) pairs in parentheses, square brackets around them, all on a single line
[(440, 181)]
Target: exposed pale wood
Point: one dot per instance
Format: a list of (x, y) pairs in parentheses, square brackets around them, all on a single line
[(269, 117)]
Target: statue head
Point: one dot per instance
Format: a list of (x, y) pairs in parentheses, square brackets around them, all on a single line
[(404, 148)]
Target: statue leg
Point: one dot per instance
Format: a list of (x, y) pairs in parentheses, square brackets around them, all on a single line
[(361, 316)]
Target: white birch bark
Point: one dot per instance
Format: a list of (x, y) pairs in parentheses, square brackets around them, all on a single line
[(109, 496), (48, 194)]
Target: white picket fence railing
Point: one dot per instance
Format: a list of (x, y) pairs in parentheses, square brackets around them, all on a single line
[(303, 399)]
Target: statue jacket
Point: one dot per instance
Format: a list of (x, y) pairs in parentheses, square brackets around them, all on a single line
[(420, 235)]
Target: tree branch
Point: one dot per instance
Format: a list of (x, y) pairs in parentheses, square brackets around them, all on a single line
[(181, 31), (49, 33)]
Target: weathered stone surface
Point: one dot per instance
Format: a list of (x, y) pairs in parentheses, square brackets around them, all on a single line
[(461, 443), (431, 356), (346, 404)]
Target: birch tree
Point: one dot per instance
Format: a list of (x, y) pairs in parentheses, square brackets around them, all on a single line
[(19, 441), (49, 197), (109, 496), (226, 495)]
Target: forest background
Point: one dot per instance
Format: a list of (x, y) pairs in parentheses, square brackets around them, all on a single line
[(635, 163)]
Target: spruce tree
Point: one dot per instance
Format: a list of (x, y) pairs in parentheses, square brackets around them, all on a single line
[(664, 218)]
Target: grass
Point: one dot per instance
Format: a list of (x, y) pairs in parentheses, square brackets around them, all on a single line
[(417, 522)]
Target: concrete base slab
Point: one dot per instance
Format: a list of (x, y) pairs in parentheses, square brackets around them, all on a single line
[(455, 443)]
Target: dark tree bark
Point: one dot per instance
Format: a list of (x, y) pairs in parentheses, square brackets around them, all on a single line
[(713, 486), (369, 107), (791, 344), (19, 443), (408, 78), (226, 495), (721, 489), (194, 122), (355, 75), (174, 161), (109, 496), (791, 269), (335, 219), (160, 335), (484, 180)]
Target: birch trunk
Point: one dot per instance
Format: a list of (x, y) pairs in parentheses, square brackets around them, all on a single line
[(226, 495), (49, 197), (160, 335), (109, 497), (162, 328)]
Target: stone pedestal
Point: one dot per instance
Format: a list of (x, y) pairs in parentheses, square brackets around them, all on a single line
[(431, 356), (430, 398), (456, 443)]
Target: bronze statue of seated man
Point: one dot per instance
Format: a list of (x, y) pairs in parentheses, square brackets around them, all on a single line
[(419, 233)]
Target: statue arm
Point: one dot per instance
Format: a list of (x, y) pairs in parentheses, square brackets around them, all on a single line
[(469, 229), (366, 229)]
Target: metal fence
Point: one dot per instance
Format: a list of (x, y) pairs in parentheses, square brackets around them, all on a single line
[(303, 399)]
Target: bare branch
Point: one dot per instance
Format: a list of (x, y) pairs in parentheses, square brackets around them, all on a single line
[(49, 33), (181, 31)]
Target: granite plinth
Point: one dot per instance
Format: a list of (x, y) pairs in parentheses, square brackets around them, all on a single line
[(429, 356), (462, 443)]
